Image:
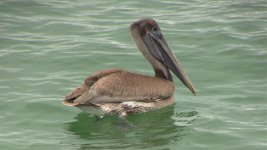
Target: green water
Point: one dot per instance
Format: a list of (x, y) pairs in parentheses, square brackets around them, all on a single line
[(47, 48)]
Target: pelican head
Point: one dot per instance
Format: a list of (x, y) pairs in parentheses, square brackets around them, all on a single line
[(153, 45)]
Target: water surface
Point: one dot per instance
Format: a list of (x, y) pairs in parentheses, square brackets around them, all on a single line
[(48, 47)]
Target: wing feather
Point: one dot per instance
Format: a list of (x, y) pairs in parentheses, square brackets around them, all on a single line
[(126, 86), (84, 88)]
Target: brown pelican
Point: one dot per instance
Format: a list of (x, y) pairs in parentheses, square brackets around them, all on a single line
[(116, 91)]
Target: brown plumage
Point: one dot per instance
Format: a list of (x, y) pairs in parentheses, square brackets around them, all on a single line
[(116, 91)]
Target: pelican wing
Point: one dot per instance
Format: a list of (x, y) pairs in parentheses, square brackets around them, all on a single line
[(87, 84), (126, 86)]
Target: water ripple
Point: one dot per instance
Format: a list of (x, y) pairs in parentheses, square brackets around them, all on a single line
[(48, 48)]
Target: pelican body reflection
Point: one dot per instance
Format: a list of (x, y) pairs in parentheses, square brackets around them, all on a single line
[(151, 129)]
